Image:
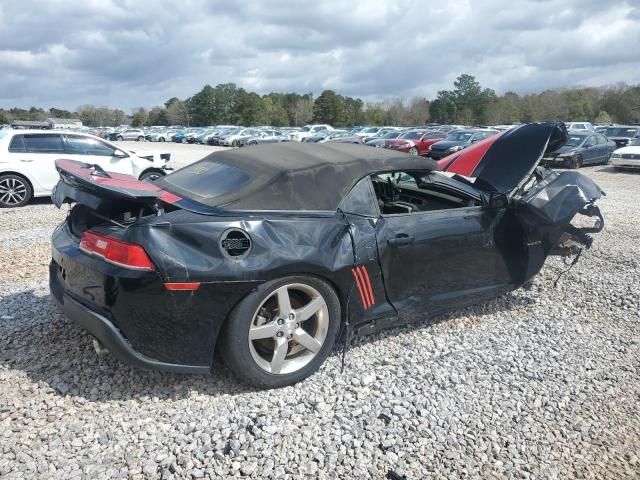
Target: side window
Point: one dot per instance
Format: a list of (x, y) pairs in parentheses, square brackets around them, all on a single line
[(17, 144), (360, 200), (43, 143), (591, 141), (602, 139), (78, 145), (320, 129), (404, 193)]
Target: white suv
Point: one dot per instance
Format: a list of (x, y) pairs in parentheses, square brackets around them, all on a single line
[(27, 161), (580, 126), (307, 131)]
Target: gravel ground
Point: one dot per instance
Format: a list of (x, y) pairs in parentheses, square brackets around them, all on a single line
[(542, 383)]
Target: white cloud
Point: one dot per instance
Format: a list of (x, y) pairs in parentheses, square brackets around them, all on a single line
[(127, 53)]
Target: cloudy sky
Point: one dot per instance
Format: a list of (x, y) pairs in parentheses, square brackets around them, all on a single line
[(130, 53)]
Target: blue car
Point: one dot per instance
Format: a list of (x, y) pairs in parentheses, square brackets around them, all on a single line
[(180, 137), (582, 148)]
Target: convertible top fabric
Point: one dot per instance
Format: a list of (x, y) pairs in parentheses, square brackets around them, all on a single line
[(291, 175)]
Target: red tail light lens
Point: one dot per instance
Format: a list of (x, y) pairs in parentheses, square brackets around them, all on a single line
[(112, 250)]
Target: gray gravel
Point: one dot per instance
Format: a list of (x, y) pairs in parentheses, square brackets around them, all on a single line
[(541, 383)]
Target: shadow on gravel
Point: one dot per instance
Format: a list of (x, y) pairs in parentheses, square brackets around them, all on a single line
[(468, 316), (52, 351), (610, 169), (41, 201)]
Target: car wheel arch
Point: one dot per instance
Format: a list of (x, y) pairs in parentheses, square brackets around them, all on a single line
[(151, 170), (29, 183), (227, 340), (343, 297), (21, 175)]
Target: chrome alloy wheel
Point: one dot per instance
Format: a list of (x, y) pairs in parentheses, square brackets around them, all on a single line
[(13, 191), (288, 329)]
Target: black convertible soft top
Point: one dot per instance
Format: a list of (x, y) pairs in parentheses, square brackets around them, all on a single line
[(285, 176)]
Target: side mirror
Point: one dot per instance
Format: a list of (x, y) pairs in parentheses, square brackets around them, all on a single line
[(120, 154), (496, 200)]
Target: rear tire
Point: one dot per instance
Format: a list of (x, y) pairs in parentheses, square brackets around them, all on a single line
[(274, 357), (15, 191), (140, 139), (413, 151), (119, 138)]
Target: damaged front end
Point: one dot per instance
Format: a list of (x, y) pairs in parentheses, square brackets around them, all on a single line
[(561, 208)]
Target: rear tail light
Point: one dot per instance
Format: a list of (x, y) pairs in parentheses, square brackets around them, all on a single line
[(112, 250)]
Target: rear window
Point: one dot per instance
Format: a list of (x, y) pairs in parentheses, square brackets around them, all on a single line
[(207, 180), (621, 132), (17, 144)]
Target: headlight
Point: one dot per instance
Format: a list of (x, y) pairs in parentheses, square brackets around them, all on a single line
[(616, 155), (568, 154), (455, 149)]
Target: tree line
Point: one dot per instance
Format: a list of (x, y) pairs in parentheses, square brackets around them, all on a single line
[(468, 103)]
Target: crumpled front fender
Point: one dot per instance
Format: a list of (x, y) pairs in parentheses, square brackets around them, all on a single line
[(548, 208), (557, 198)]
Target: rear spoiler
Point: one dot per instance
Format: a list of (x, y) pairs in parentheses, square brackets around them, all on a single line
[(92, 186)]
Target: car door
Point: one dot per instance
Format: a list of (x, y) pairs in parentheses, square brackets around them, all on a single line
[(605, 148), (37, 153), (93, 151), (435, 260), (590, 151)]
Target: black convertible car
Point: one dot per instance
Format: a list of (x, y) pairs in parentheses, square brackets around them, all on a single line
[(274, 253)]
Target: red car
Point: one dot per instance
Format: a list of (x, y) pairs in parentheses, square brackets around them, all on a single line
[(415, 142)]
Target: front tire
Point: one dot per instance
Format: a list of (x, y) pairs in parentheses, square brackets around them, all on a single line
[(151, 175), (282, 332), (119, 138), (15, 191), (413, 151), (575, 162), (140, 139)]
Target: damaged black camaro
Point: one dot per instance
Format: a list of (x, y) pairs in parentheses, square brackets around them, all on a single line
[(271, 254)]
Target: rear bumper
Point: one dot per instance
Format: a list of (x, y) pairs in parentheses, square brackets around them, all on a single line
[(168, 330), (103, 330)]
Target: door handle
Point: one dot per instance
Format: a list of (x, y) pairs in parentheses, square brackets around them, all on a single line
[(401, 239)]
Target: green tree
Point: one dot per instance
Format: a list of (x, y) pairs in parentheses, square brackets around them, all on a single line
[(139, 118), (248, 108), (444, 108), (602, 117), (203, 107), (353, 113), (329, 108), (157, 116), (374, 114)]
